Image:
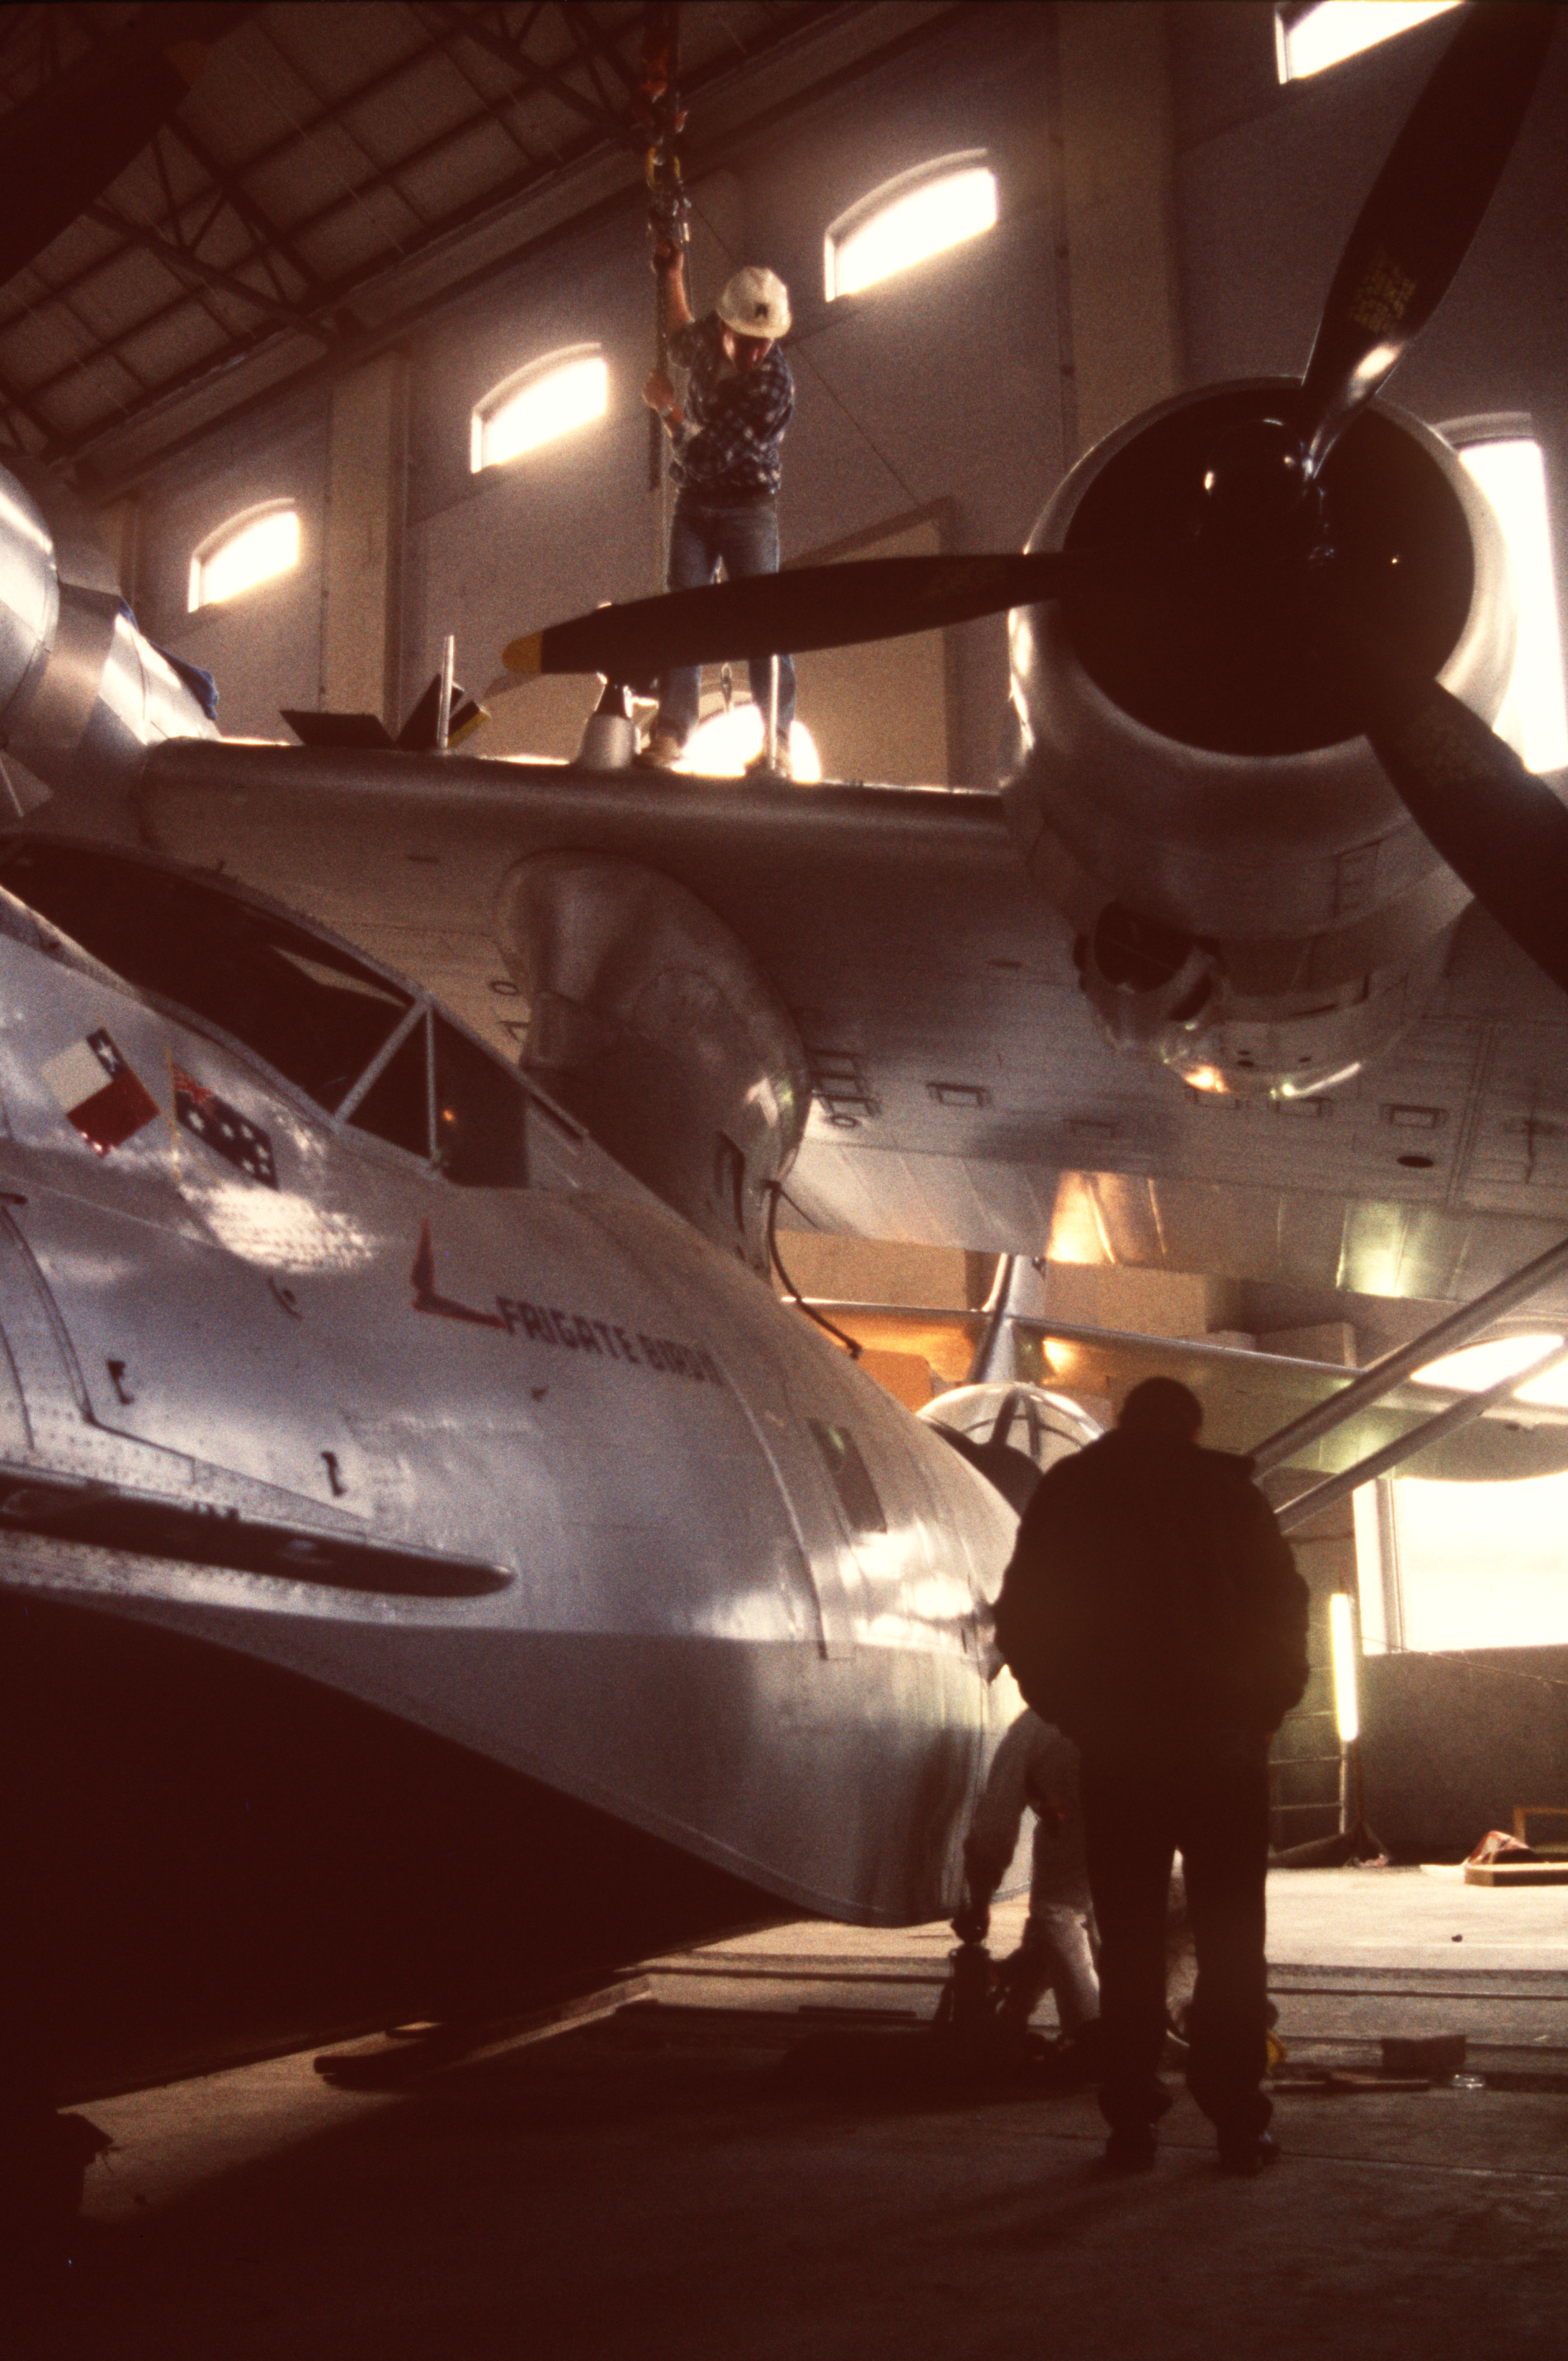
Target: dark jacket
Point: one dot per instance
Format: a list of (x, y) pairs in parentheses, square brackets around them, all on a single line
[(1152, 1604), (735, 419)]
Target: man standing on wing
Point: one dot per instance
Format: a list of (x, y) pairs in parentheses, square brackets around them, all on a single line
[(1153, 1612), (740, 397)]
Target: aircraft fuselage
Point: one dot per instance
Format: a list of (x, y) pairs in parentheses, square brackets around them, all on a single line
[(478, 1484)]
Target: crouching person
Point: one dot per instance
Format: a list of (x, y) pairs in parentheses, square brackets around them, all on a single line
[(1036, 1768)]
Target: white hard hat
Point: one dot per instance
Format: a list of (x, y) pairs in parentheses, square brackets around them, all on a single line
[(756, 304)]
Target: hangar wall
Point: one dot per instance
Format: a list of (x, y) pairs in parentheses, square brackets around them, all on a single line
[(940, 385), (1452, 1742), (264, 650), (1169, 215)]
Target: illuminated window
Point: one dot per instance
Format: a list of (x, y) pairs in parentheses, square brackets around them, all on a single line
[(1474, 1367), (1468, 1565), (720, 747), (1534, 718), (1308, 38), (548, 399), (921, 213), (250, 549)]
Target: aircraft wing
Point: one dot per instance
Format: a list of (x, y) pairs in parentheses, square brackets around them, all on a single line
[(963, 1093)]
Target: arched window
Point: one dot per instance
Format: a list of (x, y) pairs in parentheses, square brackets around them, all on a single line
[(1505, 459), (1312, 34), (923, 212), (536, 404), (250, 548)]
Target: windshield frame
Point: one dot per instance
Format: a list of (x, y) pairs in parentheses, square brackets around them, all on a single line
[(53, 941)]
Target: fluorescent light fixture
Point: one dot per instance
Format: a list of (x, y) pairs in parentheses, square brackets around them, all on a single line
[(920, 213), (1341, 1643), (1534, 718), (1473, 1368), (1311, 38), (248, 550), (537, 405), (720, 747), (1371, 1572)]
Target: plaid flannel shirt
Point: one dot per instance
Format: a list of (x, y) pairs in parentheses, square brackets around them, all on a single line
[(728, 446)]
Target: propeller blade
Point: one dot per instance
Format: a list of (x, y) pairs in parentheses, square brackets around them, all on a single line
[(1500, 828), (1425, 207), (64, 146), (779, 614)]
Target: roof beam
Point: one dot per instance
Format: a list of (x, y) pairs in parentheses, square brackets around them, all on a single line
[(113, 348), (362, 342), (496, 109), (335, 116), (226, 191), (195, 272), (507, 192), (317, 295), (532, 74), (585, 50), (261, 227), (589, 34), (14, 400)]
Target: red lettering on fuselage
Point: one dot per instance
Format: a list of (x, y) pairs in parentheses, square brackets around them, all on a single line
[(577, 1332)]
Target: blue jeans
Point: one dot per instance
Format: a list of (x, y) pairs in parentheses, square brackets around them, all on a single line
[(747, 539)]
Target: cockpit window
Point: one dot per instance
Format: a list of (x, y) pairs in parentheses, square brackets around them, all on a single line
[(396, 1105), (481, 1113), (313, 1012), (471, 1126), (852, 1477)]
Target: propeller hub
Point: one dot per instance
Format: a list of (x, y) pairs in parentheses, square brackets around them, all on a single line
[(1227, 575), (1258, 501)]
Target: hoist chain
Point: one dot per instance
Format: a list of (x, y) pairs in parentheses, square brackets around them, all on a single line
[(657, 111)]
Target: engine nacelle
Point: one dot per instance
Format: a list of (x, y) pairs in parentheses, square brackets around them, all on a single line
[(651, 1022), (1253, 905), (83, 693)]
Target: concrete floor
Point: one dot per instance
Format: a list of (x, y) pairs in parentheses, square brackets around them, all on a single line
[(653, 2186)]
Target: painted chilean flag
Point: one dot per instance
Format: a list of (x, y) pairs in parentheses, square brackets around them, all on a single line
[(103, 1096)]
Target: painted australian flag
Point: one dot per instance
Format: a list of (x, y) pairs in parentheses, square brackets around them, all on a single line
[(224, 1129)]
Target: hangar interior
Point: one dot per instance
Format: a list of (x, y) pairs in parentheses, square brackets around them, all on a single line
[(372, 226), (346, 363)]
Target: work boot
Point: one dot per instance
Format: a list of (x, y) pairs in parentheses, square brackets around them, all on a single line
[(780, 767), (1073, 2063), (662, 752), (1132, 2147)]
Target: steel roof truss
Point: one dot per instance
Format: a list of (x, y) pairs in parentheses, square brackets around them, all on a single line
[(190, 267), (531, 73), (271, 238)]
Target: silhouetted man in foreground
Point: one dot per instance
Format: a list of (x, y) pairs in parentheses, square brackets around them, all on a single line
[(1152, 1610)]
